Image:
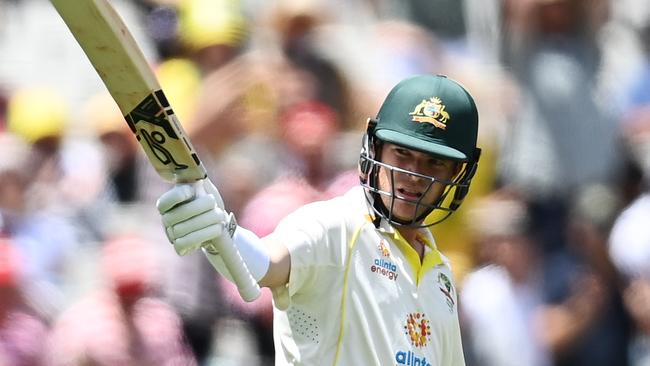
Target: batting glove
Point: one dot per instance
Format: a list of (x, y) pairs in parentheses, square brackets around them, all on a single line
[(194, 217), (191, 218)]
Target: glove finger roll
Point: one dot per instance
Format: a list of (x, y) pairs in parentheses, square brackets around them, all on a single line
[(198, 222), (188, 210), (178, 194)]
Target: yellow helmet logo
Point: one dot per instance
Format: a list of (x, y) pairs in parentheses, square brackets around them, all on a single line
[(431, 111)]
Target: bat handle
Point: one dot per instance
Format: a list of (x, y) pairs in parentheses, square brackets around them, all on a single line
[(248, 288)]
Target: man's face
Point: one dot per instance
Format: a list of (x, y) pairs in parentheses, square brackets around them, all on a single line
[(410, 189)]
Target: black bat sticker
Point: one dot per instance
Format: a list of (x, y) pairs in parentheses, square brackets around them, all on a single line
[(151, 111), (155, 109), (156, 142)]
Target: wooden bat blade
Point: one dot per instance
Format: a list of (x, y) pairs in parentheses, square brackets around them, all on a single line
[(119, 62), (116, 57)]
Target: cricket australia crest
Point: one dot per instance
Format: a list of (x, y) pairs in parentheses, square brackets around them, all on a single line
[(431, 111), (446, 287)]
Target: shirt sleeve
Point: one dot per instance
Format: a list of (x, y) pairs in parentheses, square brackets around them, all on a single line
[(316, 243)]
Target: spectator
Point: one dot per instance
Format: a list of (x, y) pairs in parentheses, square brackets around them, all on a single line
[(124, 322), (508, 282), (629, 243), (560, 308), (31, 228), (22, 329)]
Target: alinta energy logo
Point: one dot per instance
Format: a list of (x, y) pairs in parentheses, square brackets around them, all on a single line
[(409, 358), (383, 248), (417, 329), (382, 266)]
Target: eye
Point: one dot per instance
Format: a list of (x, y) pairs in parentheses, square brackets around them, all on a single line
[(437, 162), (402, 152)]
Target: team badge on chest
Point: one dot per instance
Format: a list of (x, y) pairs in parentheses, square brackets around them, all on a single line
[(445, 286)]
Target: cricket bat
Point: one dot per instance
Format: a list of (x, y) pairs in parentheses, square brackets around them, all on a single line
[(120, 63)]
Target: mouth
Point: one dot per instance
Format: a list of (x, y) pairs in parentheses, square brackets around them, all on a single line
[(408, 194)]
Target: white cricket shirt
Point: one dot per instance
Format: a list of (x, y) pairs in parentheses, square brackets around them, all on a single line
[(358, 295)]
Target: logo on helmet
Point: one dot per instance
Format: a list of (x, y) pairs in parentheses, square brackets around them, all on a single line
[(431, 111)]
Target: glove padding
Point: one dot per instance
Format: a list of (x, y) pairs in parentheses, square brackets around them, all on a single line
[(192, 219)]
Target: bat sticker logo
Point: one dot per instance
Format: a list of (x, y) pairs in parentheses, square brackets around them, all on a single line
[(149, 111), (156, 141)]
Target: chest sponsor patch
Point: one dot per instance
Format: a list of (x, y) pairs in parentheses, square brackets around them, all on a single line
[(384, 268), (418, 331), (382, 265), (409, 358)]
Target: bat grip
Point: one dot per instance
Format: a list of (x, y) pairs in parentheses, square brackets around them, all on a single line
[(248, 288)]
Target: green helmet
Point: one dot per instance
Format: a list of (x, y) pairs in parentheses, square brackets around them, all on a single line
[(430, 114)]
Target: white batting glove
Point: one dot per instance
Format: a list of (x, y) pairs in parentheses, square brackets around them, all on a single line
[(193, 215)]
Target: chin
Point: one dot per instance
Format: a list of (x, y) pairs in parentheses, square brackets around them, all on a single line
[(404, 213)]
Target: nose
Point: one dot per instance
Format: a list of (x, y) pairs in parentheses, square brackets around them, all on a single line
[(418, 166), (412, 175)]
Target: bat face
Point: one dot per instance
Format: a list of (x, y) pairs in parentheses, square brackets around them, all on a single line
[(118, 60), (161, 136)]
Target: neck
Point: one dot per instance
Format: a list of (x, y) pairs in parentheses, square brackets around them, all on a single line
[(409, 234)]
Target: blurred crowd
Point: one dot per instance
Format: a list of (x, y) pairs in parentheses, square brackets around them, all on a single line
[(551, 250)]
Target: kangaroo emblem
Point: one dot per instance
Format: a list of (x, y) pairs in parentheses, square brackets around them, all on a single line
[(431, 111)]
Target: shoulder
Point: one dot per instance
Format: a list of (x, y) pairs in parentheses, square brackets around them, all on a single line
[(445, 260), (330, 213), (352, 199), (319, 231)]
